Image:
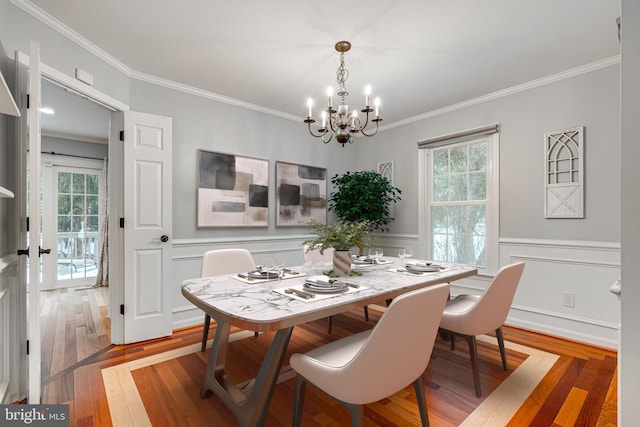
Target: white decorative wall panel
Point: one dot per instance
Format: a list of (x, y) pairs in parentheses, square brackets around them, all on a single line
[(564, 175)]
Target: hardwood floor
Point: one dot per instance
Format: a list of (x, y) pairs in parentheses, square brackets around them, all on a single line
[(75, 329), (158, 382)]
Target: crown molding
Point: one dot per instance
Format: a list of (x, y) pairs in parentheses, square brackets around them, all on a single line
[(148, 78), (573, 72), (69, 33)]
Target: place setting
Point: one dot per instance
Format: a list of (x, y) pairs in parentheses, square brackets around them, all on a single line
[(319, 287), (270, 270), (415, 267), (374, 258)]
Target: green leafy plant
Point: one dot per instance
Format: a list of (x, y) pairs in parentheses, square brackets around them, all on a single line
[(363, 196), (341, 235)]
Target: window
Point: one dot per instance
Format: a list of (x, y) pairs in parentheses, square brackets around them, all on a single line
[(77, 223), (460, 193)]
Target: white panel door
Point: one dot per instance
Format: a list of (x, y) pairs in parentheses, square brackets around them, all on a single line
[(147, 226), (33, 319)]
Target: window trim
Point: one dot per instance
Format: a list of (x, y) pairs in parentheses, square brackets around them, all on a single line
[(493, 192)]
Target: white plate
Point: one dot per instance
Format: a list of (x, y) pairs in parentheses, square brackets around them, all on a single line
[(328, 289), (262, 274), (422, 268)]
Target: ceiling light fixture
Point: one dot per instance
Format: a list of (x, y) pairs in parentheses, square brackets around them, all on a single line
[(341, 123), (47, 110)]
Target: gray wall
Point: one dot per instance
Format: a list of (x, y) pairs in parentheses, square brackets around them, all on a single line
[(591, 100), (200, 123), (74, 148)]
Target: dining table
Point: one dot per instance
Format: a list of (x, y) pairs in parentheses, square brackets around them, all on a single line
[(267, 305)]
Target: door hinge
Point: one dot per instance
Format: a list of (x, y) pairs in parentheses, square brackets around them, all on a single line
[(122, 309), (121, 135), (27, 347), (121, 222), (27, 101), (27, 223)]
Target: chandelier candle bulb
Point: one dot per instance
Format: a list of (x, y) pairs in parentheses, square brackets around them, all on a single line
[(377, 104), (329, 95), (310, 104), (324, 118), (367, 92)]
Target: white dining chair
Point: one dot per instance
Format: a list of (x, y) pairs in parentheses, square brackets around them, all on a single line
[(313, 258), (374, 364), (223, 261), (469, 315)]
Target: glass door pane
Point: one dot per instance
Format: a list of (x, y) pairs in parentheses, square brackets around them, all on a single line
[(77, 224)]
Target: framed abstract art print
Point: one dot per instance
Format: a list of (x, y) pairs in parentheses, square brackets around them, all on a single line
[(233, 191)]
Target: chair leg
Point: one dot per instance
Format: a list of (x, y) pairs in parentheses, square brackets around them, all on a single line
[(205, 331), (330, 319), (366, 313), (418, 384), (357, 414), (255, 334), (503, 353), (301, 386), (473, 352)]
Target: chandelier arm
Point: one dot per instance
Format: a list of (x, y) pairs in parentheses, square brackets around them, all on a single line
[(319, 135), (370, 134)]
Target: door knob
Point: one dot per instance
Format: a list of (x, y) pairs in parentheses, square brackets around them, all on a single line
[(23, 252), (43, 251), (164, 238)]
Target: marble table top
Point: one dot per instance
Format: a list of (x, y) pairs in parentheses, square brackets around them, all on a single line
[(258, 307)]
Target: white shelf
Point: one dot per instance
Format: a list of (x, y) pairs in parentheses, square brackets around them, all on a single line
[(7, 104), (5, 194)]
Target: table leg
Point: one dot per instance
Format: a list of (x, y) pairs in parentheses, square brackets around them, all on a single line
[(249, 404)]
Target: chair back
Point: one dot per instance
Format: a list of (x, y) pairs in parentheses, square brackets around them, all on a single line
[(312, 256), (492, 307), (397, 350), (226, 261)]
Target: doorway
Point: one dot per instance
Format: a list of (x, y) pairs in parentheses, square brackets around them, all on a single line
[(74, 296)]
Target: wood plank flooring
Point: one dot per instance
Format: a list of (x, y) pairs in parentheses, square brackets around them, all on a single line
[(74, 328), (578, 387)]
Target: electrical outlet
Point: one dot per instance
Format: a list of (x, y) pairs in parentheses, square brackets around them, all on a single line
[(568, 299)]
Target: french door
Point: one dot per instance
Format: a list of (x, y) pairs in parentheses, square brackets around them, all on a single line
[(71, 212)]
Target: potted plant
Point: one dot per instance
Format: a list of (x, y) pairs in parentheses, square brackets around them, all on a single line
[(341, 236), (363, 196)]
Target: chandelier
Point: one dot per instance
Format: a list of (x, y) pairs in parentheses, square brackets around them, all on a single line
[(341, 123)]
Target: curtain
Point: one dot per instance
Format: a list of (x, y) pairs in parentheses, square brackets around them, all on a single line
[(102, 278)]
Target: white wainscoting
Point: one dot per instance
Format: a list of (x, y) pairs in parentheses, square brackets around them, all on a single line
[(585, 269), (187, 259)]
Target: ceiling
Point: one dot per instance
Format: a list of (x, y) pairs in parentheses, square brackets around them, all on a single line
[(76, 117), (418, 55)]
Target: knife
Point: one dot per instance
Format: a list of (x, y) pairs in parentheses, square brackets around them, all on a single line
[(301, 294), (244, 276)]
